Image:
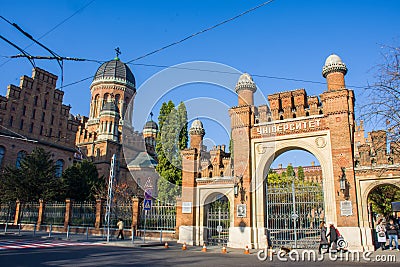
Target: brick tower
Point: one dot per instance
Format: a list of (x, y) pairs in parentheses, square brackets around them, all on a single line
[(338, 107)]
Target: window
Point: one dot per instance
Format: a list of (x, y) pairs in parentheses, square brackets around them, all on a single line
[(20, 156), (24, 110), (31, 128), (11, 121), (33, 113), (45, 104), (59, 168), (43, 115), (41, 130), (2, 152), (52, 119), (21, 125), (36, 100), (50, 132)]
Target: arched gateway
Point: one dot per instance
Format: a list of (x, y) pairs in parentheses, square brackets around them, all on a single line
[(323, 126)]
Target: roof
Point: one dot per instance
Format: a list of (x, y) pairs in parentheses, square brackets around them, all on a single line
[(115, 70), (143, 160)]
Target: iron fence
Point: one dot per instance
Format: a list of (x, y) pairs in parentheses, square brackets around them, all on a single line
[(83, 213), (29, 212), (54, 213), (7, 212), (161, 216), (218, 222), (119, 210)]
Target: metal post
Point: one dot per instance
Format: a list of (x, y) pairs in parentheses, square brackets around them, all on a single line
[(5, 227), (144, 231), (68, 232), (51, 229), (19, 229), (87, 233), (133, 235), (34, 230), (161, 236), (294, 214), (219, 223), (110, 195)]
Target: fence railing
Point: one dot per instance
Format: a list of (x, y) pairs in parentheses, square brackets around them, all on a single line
[(29, 212), (7, 212), (83, 213), (161, 216), (54, 213)]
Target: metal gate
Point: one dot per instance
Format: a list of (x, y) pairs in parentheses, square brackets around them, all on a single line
[(217, 222), (294, 211)]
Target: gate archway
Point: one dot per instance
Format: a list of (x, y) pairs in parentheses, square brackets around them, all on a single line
[(217, 219)]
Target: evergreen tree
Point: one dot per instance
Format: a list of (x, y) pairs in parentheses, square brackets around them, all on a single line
[(290, 171), (34, 179), (171, 139), (81, 181), (300, 173)]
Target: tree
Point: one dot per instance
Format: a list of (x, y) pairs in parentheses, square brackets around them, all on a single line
[(34, 179), (300, 173), (81, 182), (382, 197), (171, 139), (290, 171), (383, 107)]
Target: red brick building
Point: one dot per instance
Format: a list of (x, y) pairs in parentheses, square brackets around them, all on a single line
[(32, 114)]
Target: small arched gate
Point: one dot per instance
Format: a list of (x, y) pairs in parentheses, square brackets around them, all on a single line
[(217, 221)]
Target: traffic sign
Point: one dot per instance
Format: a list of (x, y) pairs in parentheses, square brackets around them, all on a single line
[(148, 193), (148, 183), (147, 204)]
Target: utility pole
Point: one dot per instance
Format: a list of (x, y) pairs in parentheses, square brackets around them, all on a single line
[(110, 195)]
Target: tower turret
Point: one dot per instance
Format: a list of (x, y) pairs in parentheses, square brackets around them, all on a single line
[(245, 89), (334, 71), (196, 133)]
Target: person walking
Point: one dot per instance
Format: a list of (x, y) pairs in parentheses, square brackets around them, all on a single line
[(324, 239), (120, 226), (333, 237), (392, 230), (381, 234)]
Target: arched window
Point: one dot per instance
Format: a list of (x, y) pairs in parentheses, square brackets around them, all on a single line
[(307, 114), (59, 168), (281, 118), (20, 156), (105, 99), (2, 152)]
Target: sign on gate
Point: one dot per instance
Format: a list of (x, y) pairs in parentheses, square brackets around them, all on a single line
[(147, 204), (219, 228)]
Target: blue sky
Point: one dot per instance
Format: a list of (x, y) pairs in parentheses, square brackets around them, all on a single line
[(288, 39)]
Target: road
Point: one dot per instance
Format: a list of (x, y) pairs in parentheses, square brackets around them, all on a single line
[(74, 253)]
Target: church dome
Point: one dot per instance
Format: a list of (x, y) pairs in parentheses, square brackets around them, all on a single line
[(151, 125), (115, 70), (245, 82), (197, 128), (333, 63)]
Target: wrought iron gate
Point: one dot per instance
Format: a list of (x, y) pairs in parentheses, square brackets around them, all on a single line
[(218, 222), (294, 211)]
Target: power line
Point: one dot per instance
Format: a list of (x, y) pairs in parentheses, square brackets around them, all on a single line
[(55, 27), (184, 39)]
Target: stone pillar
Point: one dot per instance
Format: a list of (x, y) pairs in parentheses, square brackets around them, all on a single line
[(99, 213), (17, 211), (135, 213), (68, 210), (40, 214)]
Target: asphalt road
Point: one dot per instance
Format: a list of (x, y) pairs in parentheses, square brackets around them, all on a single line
[(101, 255)]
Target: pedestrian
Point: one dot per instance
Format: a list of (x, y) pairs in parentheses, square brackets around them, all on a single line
[(333, 237), (392, 230), (120, 226), (381, 234), (324, 239)]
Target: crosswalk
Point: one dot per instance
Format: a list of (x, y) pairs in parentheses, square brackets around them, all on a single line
[(32, 244)]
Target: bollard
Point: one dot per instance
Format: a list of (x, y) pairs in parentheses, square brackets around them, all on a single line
[(34, 230), (87, 233), (133, 235), (5, 227), (161, 236), (51, 229), (68, 232), (19, 229)]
